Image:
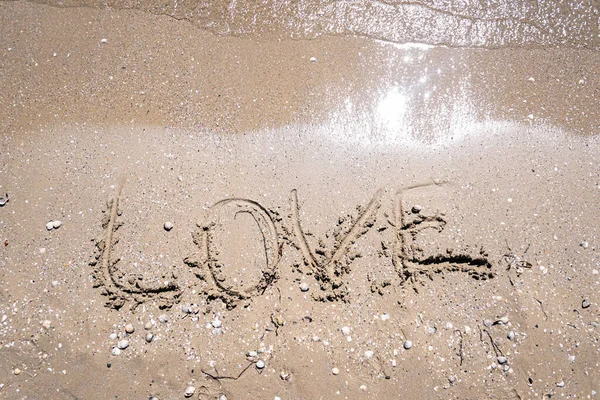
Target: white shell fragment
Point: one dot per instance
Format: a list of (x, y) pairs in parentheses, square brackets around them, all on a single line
[(189, 391)]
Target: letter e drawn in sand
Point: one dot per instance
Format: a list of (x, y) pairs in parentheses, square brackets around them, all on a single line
[(329, 271), (106, 269), (210, 270), (410, 262)]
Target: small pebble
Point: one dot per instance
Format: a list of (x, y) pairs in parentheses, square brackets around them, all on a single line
[(103, 41), (416, 209), (276, 398), (113, 336), (149, 337), (431, 330), (116, 351), (408, 344), (260, 364), (216, 323), (585, 245), (54, 283), (385, 316), (345, 331), (487, 322), (222, 397), (252, 354), (46, 324), (369, 354), (56, 224), (50, 225), (189, 391), (452, 378), (123, 344), (363, 387), (313, 59), (168, 226), (502, 360), (335, 371), (217, 331), (129, 328), (148, 325), (304, 287), (17, 371), (163, 318), (560, 384), (510, 335)]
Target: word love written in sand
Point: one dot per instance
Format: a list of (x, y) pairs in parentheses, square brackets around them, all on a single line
[(329, 266)]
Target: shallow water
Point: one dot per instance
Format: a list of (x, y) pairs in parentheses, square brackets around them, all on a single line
[(471, 23)]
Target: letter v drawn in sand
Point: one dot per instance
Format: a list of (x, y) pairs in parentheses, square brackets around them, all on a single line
[(329, 271)]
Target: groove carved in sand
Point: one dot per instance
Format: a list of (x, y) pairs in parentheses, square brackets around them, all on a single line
[(330, 271), (410, 262), (208, 266), (106, 270)]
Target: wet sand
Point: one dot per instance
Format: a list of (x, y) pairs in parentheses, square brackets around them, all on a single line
[(446, 196)]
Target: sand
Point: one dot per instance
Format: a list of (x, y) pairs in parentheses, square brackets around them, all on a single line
[(332, 196)]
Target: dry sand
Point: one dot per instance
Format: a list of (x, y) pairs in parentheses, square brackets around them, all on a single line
[(332, 197)]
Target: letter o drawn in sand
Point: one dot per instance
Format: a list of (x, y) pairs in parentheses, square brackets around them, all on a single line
[(210, 269)]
